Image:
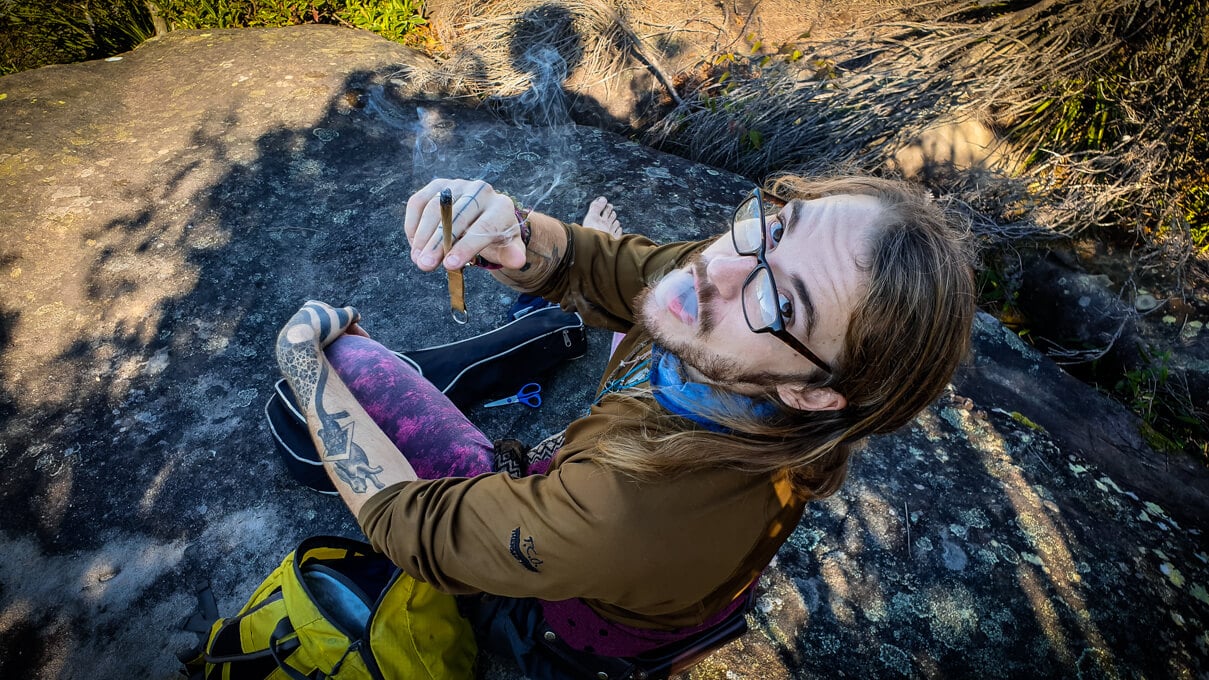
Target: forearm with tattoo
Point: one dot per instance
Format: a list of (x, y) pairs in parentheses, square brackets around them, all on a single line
[(337, 445), (298, 354), (333, 416)]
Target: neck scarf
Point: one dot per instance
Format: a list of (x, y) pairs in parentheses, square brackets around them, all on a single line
[(694, 400)]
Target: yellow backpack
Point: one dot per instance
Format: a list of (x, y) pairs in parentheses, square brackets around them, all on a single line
[(336, 609)]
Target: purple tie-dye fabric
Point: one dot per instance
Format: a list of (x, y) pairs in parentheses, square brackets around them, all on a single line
[(431, 432), (583, 629)]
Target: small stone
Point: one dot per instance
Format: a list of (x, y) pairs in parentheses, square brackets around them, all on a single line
[(1145, 303), (1172, 574), (1084, 300)]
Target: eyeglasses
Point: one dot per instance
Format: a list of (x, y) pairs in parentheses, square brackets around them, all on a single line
[(762, 305)]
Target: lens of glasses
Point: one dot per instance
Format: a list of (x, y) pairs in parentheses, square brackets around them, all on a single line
[(746, 227), (760, 301)]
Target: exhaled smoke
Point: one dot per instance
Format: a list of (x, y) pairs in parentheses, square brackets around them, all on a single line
[(542, 113), (527, 160), (544, 104)]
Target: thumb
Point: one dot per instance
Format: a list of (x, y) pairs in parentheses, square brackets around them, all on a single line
[(512, 255)]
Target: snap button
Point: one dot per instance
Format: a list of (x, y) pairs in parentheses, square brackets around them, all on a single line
[(550, 636)]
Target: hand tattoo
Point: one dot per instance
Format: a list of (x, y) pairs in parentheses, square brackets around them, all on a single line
[(298, 347)]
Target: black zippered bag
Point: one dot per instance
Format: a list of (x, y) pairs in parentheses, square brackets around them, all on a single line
[(469, 371)]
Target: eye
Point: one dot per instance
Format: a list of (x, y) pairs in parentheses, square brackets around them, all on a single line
[(785, 305), (776, 231)]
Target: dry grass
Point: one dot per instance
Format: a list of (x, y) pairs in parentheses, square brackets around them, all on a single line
[(850, 103), (1080, 90), (488, 44)]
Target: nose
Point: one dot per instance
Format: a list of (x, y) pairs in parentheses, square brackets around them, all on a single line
[(728, 272)]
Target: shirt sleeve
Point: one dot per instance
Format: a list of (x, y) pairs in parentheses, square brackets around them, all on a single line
[(656, 548), (600, 276), (540, 536)]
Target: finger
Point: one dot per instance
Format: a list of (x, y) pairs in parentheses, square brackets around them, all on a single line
[(429, 243), (428, 253), (466, 201), (466, 210), (493, 229), (356, 329), (416, 205)]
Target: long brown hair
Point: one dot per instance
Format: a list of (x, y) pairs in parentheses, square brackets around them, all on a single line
[(905, 338)]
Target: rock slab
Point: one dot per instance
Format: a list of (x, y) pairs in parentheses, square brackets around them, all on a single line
[(162, 216)]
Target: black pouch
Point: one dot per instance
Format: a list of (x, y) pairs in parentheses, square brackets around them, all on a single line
[(468, 372)]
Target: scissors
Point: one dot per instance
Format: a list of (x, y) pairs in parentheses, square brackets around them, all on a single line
[(529, 395)]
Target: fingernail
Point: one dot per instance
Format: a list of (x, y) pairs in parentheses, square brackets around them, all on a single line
[(452, 262), (428, 260)]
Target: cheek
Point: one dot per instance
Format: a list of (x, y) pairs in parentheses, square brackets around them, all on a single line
[(719, 246)]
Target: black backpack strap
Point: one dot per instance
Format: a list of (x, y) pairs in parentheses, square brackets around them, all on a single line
[(282, 650)]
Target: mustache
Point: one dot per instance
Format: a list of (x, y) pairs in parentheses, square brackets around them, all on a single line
[(707, 292)]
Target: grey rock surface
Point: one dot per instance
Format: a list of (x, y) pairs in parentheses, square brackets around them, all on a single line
[(1113, 336), (163, 214)]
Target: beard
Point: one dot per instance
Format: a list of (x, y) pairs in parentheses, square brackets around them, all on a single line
[(695, 352)]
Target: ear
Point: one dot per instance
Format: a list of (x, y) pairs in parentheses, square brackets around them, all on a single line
[(805, 398)]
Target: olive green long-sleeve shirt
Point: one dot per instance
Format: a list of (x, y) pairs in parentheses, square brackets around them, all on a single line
[(660, 554)]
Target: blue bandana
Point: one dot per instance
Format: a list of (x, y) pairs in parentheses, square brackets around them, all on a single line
[(693, 400)]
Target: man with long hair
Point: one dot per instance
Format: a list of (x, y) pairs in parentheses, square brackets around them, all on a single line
[(751, 366)]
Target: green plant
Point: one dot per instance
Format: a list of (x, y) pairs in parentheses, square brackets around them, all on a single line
[(391, 19), (1079, 115), (207, 14), (1194, 205), (1140, 386), (1171, 421), (35, 33)]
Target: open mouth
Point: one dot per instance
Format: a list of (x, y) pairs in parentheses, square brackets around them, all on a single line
[(679, 296)]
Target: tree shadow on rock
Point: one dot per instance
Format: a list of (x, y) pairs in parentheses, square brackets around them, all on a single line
[(136, 458)]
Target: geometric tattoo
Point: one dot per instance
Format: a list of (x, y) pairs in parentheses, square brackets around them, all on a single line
[(300, 364)]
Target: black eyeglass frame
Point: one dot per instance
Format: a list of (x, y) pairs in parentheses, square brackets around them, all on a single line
[(777, 327)]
